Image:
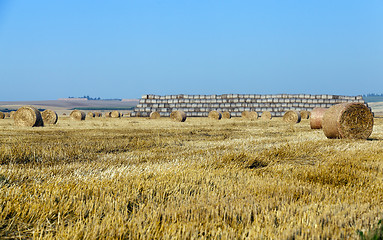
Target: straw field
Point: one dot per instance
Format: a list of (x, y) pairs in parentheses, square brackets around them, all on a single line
[(134, 178)]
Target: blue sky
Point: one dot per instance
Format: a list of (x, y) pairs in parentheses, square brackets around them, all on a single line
[(124, 49)]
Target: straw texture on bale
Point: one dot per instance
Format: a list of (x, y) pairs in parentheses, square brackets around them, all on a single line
[(348, 120), (292, 117), (115, 114), (28, 116), (226, 115), (178, 116), (77, 115), (155, 115), (90, 115), (215, 115), (266, 115), (49, 116), (249, 115), (2, 115), (305, 114), (317, 117), (244, 114)]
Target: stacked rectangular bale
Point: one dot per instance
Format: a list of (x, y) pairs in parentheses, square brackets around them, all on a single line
[(201, 105)]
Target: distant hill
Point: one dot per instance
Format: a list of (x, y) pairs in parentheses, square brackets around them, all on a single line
[(67, 105)]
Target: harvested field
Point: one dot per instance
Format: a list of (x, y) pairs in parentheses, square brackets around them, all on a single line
[(133, 178)]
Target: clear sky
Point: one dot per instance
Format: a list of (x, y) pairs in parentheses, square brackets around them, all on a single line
[(124, 49)]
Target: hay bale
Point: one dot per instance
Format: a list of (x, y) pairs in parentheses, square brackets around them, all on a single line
[(49, 116), (244, 114), (178, 116), (305, 114), (317, 117), (7, 114), (90, 115), (249, 115), (155, 115), (98, 114), (108, 114), (215, 115), (2, 115), (11, 114), (77, 115), (266, 115), (292, 117), (64, 114), (115, 114), (226, 115), (28, 116), (348, 120)]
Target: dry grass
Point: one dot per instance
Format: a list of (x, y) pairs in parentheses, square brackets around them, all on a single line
[(141, 179)]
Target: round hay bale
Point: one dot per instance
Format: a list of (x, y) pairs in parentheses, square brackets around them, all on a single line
[(98, 114), (249, 115), (115, 114), (292, 117), (2, 115), (226, 115), (64, 114), (49, 116), (108, 114), (11, 114), (305, 114), (215, 115), (245, 114), (90, 115), (7, 115), (178, 116), (28, 116), (348, 120), (77, 115), (155, 115), (266, 115), (317, 117)]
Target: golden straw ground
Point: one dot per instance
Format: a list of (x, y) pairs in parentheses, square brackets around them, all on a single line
[(131, 178)]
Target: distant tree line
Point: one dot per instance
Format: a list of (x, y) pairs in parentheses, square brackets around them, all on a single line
[(96, 98)]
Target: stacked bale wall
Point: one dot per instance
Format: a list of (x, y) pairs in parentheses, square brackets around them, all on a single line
[(201, 105)]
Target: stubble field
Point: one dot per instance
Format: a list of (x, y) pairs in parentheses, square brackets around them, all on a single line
[(137, 178)]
